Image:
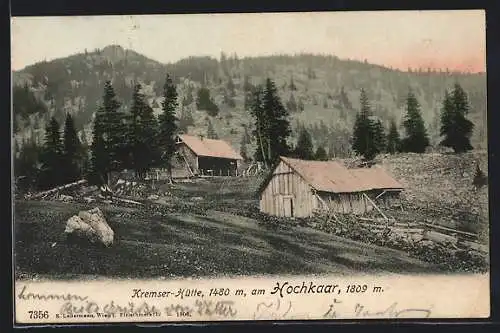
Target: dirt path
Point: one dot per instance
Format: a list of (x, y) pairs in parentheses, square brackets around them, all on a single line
[(182, 245)]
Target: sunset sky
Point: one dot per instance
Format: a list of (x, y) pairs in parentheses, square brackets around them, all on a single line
[(401, 39)]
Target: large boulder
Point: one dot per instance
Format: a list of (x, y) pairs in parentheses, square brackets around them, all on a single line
[(90, 224)]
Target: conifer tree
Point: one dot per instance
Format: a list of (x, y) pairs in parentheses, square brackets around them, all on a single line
[(367, 132), (272, 126), (261, 124), (72, 149), (134, 130), (278, 129), (108, 138), (304, 149), (52, 155), (167, 124), (143, 134), (100, 159), (416, 139), (455, 127), (205, 102), (393, 139), (321, 154), (379, 136)]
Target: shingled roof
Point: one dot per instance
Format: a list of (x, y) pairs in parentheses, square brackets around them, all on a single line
[(210, 147), (376, 178), (332, 176)]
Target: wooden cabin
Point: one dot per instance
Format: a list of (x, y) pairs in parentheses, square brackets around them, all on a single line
[(206, 157), (298, 188)]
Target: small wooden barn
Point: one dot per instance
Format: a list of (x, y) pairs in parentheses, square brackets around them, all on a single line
[(207, 157), (298, 188)]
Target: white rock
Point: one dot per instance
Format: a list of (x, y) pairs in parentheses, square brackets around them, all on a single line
[(92, 225), (153, 197)]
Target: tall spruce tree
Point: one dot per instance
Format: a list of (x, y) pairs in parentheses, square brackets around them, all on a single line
[(455, 127), (278, 129), (143, 134), (52, 155), (304, 149), (393, 139), (167, 123), (72, 152), (134, 129), (99, 159), (108, 143), (366, 139), (149, 139), (379, 136), (261, 124), (416, 139)]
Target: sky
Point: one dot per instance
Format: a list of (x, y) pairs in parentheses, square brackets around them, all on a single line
[(400, 39)]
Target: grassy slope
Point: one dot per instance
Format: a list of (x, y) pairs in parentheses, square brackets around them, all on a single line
[(149, 244)]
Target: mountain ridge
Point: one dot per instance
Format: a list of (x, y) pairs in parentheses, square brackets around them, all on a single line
[(321, 86)]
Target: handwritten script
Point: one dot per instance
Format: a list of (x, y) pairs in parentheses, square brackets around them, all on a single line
[(394, 310), (278, 309), (25, 295)]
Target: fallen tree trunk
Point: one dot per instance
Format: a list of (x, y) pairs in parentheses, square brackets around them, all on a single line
[(127, 201), (407, 230), (62, 187), (454, 231), (440, 238)]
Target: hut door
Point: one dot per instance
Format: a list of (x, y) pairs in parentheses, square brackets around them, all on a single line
[(288, 206)]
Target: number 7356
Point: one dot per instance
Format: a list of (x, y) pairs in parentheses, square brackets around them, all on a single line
[(39, 314)]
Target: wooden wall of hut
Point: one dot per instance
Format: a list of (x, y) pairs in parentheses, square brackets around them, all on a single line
[(346, 203), (191, 157), (287, 194)]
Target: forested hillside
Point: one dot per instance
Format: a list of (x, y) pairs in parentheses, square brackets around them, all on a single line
[(320, 92)]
